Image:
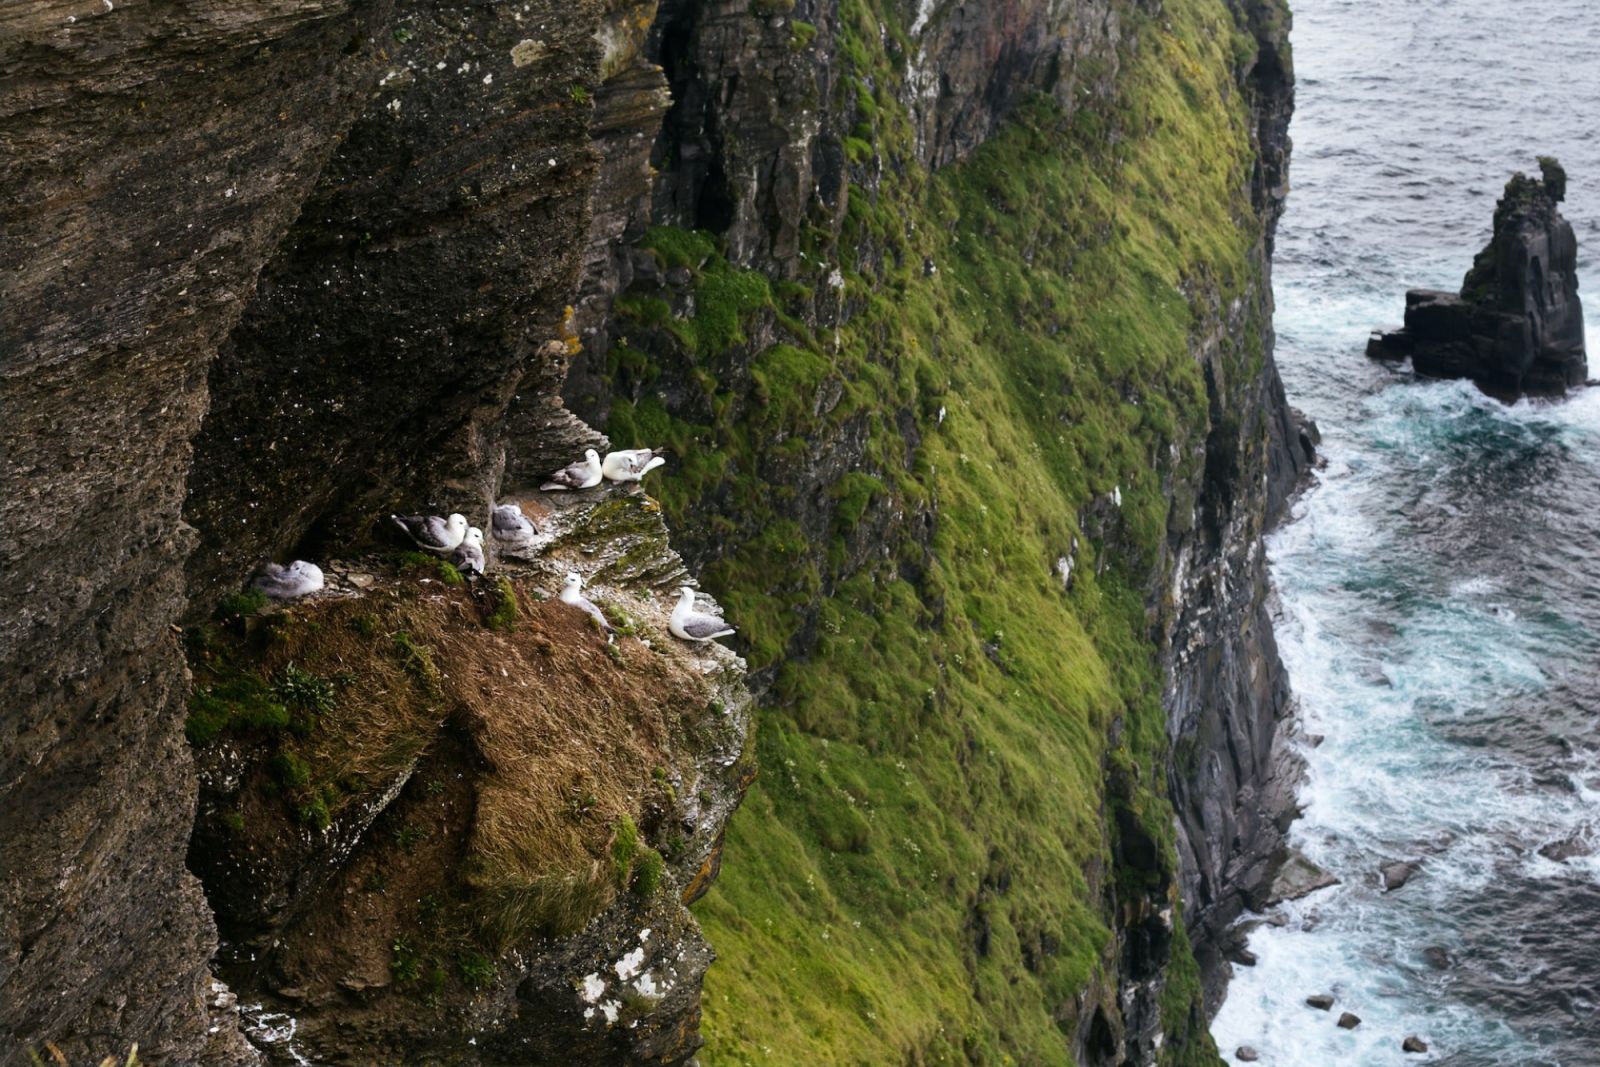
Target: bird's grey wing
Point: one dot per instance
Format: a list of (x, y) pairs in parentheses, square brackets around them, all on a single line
[(703, 626), (507, 522), (599, 616), (434, 531)]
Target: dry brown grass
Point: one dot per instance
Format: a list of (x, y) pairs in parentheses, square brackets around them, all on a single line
[(568, 730), (571, 737)]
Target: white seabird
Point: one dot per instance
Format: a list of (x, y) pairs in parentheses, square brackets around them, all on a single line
[(585, 474), (468, 555), (433, 533), (508, 523), (286, 583), (692, 625), (572, 593), (631, 464)]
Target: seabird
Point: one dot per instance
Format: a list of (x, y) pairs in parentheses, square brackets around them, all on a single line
[(631, 464), (572, 593), (692, 625), (286, 583), (585, 474), (468, 556), (509, 524), (433, 533)]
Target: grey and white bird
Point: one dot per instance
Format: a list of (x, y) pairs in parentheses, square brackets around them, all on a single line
[(433, 533), (468, 556), (286, 583), (584, 474), (572, 593), (508, 523), (631, 464), (692, 625)]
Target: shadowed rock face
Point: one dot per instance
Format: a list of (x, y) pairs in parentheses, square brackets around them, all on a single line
[(154, 159), (390, 331), (1517, 324)]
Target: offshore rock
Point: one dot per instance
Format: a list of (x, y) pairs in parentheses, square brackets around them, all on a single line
[(1517, 325)]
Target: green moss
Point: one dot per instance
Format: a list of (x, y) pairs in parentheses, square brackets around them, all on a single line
[(442, 569), (676, 247), (246, 602), (291, 771), (801, 34), (314, 813), (624, 850), (238, 700), (947, 739), (647, 873), (503, 604)]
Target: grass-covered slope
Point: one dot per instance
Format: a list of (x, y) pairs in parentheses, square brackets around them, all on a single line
[(924, 870)]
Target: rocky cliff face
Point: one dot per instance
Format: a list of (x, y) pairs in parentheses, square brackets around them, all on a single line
[(269, 273), (956, 321)]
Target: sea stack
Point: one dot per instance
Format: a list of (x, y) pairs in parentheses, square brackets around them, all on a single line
[(1516, 327)]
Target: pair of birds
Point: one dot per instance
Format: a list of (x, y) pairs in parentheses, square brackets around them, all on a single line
[(462, 543), (453, 538), (686, 623), (627, 465)]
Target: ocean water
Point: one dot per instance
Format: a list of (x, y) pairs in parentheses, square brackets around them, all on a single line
[(1440, 583)]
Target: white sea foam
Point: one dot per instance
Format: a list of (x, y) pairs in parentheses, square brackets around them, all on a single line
[(1432, 581)]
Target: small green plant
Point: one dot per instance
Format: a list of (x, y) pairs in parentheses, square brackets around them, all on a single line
[(621, 622), (314, 813), (417, 659), (647, 873), (624, 849), (304, 691), (579, 94), (365, 624), (435, 787), (233, 821), (801, 34), (291, 771), (503, 605), (477, 970), (408, 837), (581, 804), (402, 35), (405, 962), (245, 602)]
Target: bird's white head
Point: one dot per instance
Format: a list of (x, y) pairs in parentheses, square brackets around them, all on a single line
[(686, 596), (474, 536), (574, 581), (457, 523), (591, 455)]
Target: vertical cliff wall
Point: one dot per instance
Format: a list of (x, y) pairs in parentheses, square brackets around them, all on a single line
[(958, 320), (154, 160)]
